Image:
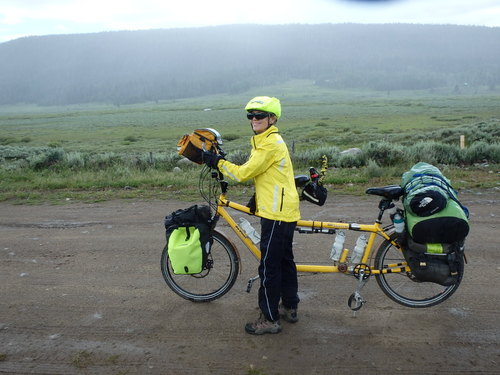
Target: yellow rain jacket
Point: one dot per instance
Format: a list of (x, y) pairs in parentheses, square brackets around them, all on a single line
[(271, 168)]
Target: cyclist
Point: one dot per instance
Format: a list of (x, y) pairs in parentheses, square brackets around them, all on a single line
[(277, 203)]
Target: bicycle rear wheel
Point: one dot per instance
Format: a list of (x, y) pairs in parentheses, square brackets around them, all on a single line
[(402, 287), (214, 281)]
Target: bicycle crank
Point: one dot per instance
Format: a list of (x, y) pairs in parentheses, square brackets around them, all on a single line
[(362, 271)]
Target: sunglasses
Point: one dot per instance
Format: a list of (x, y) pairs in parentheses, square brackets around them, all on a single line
[(258, 116)]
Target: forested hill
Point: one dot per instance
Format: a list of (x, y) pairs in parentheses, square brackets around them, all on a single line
[(136, 66)]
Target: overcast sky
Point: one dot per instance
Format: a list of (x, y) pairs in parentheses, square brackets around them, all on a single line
[(20, 18)]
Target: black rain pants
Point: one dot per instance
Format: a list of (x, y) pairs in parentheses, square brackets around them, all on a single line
[(277, 270)]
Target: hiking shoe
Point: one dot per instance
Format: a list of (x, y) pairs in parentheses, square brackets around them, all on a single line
[(288, 315), (262, 325)]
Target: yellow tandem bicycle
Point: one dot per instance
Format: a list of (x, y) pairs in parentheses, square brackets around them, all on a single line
[(382, 256)]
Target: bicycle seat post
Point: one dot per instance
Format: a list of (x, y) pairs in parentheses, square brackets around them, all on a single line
[(384, 204)]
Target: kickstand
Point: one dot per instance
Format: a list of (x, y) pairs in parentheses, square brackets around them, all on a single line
[(250, 283)]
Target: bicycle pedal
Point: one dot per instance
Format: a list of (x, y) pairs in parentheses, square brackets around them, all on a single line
[(355, 301), (250, 283)]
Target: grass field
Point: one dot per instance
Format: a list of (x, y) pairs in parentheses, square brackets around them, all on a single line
[(310, 114), (312, 118)]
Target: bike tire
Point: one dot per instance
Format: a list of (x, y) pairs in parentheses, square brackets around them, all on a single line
[(214, 281), (402, 287)]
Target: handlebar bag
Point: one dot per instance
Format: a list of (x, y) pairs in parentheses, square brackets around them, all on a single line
[(314, 193), (192, 145)]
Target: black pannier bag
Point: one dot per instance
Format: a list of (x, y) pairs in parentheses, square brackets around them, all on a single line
[(188, 239), (436, 263)]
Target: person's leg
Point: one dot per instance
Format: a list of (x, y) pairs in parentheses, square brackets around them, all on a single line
[(272, 250), (270, 280), (289, 283)]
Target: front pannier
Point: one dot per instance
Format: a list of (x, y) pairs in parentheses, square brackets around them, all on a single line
[(188, 239)]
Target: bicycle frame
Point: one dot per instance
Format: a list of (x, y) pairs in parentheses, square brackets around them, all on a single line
[(375, 230)]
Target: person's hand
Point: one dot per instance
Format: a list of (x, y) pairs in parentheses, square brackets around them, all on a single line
[(211, 159)]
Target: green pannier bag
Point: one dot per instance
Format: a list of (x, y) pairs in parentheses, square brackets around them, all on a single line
[(433, 213), (188, 239), (186, 250)]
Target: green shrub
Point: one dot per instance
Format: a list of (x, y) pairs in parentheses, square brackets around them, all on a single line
[(46, 159), (131, 138), (238, 157), (384, 153), (12, 152), (481, 152), (74, 160), (434, 153), (373, 169), (7, 140), (104, 160), (231, 137), (167, 161), (350, 161), (312, 157)]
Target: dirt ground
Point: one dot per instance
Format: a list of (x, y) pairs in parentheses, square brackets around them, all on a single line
[(82, 293)]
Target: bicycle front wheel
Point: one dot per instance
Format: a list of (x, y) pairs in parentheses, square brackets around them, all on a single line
[(214, 281), (402, 287)]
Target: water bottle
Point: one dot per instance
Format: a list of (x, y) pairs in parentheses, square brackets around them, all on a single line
[(250, 231), (399, 223), (338, 246), (359, 249)]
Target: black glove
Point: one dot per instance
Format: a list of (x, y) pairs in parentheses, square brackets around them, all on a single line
[(211, 159), (252, 204)]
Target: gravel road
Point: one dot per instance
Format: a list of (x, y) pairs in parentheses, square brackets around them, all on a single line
[(82, 293)]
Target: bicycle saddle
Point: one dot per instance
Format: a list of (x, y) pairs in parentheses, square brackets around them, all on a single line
[(389, 192)]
